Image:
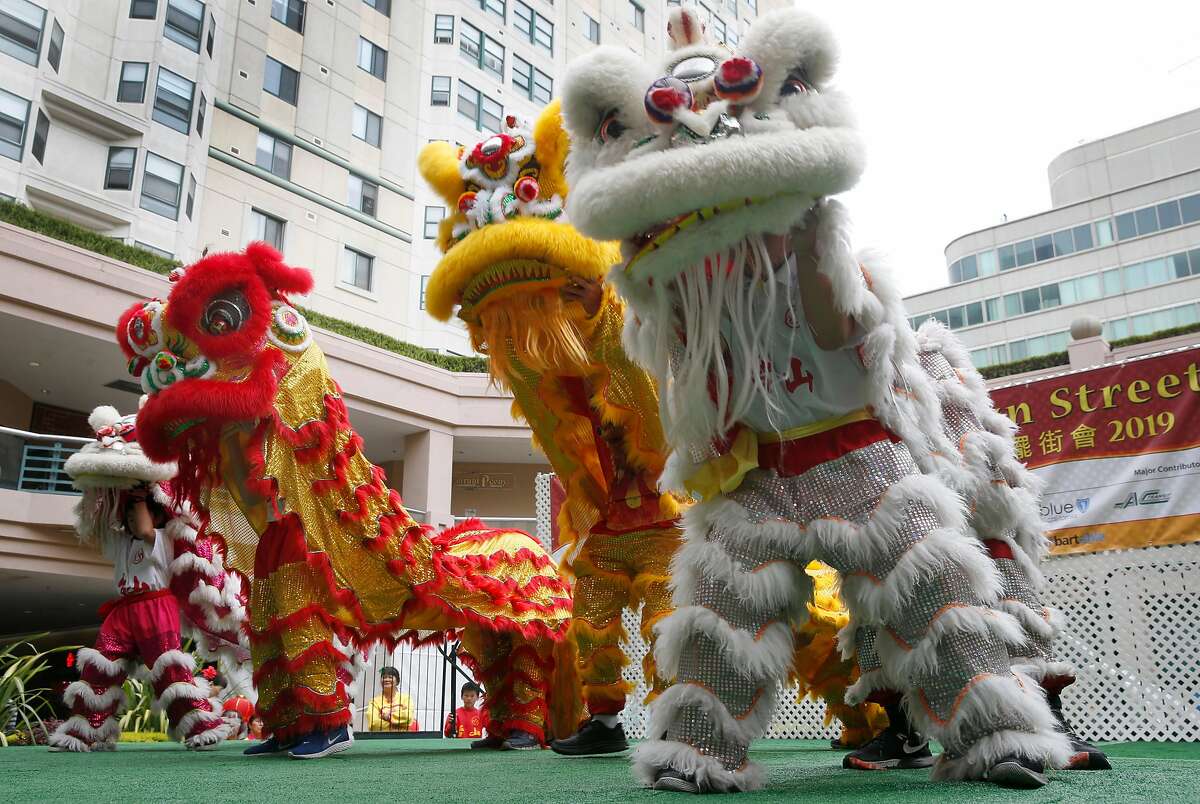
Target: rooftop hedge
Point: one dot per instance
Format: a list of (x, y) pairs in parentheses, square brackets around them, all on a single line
[(26, 217)]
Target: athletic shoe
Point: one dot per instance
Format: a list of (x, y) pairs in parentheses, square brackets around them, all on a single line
[(892, 749), (1084, 755), (488, 744), (675, 781), (323, 743), (1018, 772), (268, 747), (518, 740), (593, 738)]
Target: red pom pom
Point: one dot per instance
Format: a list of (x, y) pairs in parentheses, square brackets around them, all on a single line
[(527, 188), (466, 201), (209, 672)]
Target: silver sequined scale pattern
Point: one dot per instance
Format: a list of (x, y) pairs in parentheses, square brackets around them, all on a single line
[(1016, 587), (848, 489)]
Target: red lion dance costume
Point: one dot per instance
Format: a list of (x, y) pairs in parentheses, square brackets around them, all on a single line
[(241, 397), (173, 586)]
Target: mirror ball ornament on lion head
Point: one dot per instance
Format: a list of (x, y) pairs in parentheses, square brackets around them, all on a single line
[(214, 352), (680, 160)]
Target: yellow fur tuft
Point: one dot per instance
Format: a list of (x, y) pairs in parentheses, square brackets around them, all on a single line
[(438, 164), (551, 143)]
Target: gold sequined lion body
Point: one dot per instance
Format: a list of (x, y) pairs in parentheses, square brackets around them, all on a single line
[(242, 399)]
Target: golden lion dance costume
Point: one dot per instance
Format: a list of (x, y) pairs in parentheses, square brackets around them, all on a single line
[(241, 398), (700, 165), (508, 257)]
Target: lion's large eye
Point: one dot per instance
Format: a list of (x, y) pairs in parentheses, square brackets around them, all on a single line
[(225, 313), (610, 127), (797, 83)]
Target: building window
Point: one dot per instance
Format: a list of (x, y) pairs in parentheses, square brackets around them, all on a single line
[(357, 268), (162, 181), (185, 22), (281, 81), (173, 101), (190, 206), (14, 114), (753, 5), (716, 25), (439, 94), (522, 76), (494, 7), (290, 13), (143, 9), (533, 83), (212, 33), (21, 26), (468, 102), (493, 58), (372, 58), (273, 155), (132, 87), (591, 29), (543, 33), (367, 125), (424, 284), (483, 112), (490, 115), (200, 116), (41, 131), (536, 28), (384, 7), (543, 87), (470, 43), (268, 228), (433, 216), (364, 195), (637, 15), (54, 51), (119, 173), (443, 29)]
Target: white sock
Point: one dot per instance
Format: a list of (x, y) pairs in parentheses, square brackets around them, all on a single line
[(609, 721)]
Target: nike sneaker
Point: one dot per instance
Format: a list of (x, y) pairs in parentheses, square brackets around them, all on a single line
[(895, 748), (674, 781), (321, 744), (269, 747)]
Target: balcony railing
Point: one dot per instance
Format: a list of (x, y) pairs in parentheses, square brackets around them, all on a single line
[(35, 462), (525, 523)]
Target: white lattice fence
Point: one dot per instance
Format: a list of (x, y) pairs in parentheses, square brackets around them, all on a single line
[(1133, 633)]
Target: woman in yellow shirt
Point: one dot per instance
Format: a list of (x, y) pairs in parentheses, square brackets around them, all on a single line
[(390, 710)]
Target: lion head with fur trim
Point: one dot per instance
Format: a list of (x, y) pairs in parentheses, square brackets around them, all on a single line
[(681, 159), (508, 249)]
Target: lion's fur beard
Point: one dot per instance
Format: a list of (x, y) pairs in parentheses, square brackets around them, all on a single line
[(97, 513), (538, 330), (681, 341)]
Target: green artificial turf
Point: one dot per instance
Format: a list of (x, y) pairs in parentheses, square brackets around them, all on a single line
[(446, 771)]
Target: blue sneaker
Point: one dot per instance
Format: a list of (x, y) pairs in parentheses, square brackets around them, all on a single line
[(323, 743), (268, 747)]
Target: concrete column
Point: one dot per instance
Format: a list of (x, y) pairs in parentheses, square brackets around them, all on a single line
[(1087, 346), (428, 475)]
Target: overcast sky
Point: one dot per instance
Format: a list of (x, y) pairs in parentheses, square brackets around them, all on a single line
[(965, 103)]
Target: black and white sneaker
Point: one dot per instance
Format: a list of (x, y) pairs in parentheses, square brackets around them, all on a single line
[(674, 781), (488, 743), (592, 739), (892, 749), (1019, 773)]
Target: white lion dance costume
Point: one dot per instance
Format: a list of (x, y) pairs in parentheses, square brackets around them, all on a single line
[(822, 452), (174, 586)]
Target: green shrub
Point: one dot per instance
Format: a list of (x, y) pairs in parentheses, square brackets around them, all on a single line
[(20, 662), (1154, 336), (1028, 364), (27, 218)]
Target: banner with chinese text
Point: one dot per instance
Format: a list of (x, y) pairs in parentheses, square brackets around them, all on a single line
[(1118, 449)]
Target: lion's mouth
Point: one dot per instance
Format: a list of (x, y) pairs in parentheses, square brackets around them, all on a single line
[(505, 276), (660, 234)]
